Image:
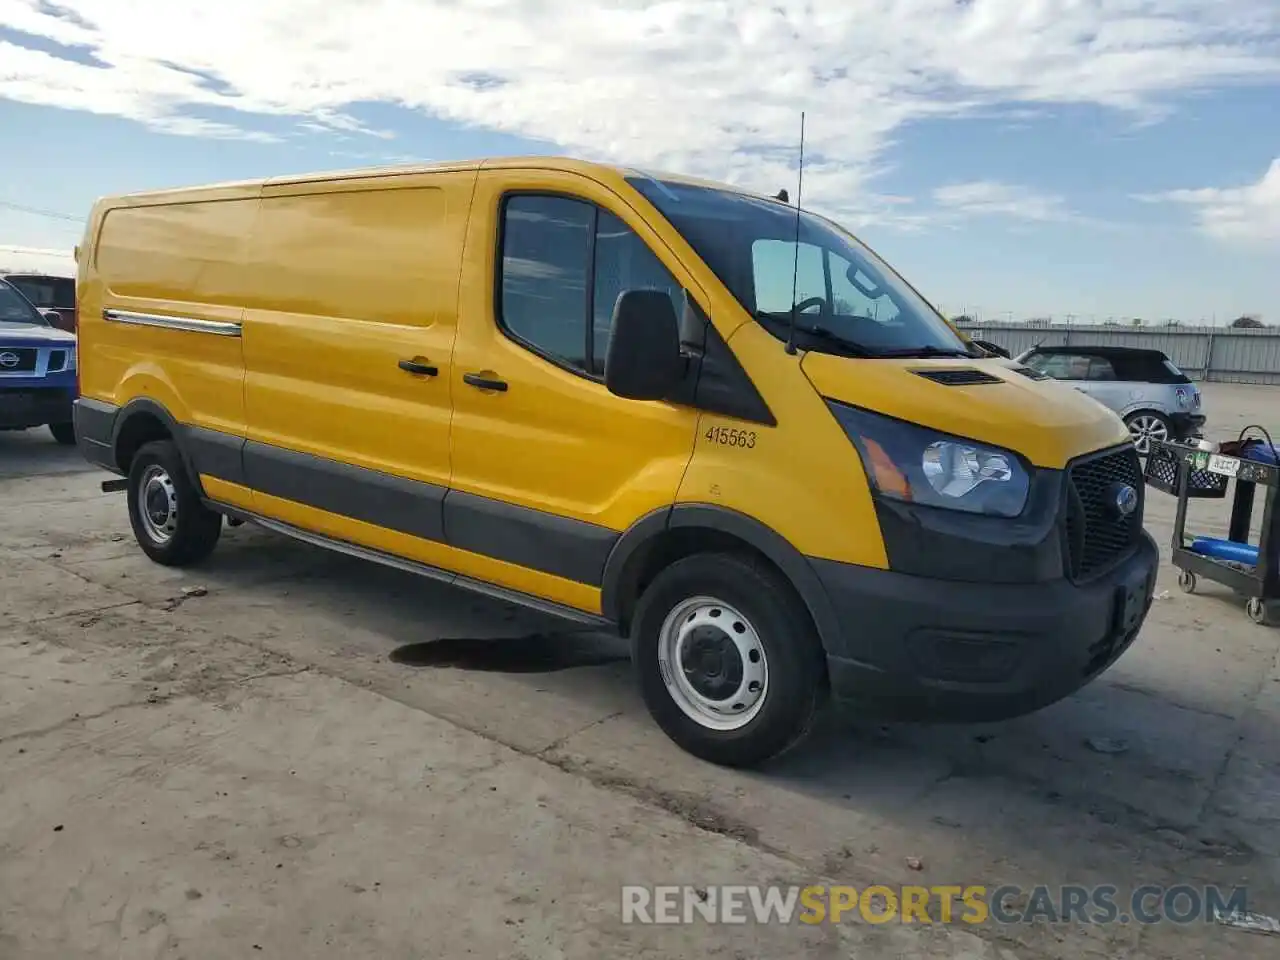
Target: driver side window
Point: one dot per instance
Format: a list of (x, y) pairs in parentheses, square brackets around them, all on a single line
[(565, 262), (774, 264)]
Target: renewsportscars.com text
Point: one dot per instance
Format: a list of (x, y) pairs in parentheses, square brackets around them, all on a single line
[(973, 904)]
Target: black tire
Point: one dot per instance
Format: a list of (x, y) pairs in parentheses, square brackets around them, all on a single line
[(796, 683), (64, 433), (195, 529)]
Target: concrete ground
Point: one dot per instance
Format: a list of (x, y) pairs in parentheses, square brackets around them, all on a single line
[(315, 757)]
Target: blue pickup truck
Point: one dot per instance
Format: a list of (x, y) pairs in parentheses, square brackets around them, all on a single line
[(37, 368)]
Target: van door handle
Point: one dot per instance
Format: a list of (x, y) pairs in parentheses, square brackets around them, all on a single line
[(413, 366), (484, 383)]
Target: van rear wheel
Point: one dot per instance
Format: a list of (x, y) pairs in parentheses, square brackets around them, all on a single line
[(169, 522), (729, 663)]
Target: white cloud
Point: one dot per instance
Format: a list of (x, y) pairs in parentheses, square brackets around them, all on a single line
[(989, 198), (1250, 214), (708, 86)]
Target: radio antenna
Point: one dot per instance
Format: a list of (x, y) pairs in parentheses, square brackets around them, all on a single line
[(795, 266)]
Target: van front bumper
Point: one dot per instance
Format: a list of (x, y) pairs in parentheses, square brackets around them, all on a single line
[(923, 649)]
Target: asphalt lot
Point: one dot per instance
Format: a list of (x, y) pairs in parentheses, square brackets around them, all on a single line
[(316, 757)]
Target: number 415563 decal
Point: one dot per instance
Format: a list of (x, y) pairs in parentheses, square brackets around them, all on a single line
[(731, 437)]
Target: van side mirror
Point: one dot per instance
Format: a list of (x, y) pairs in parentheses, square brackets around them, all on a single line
[(644, 360)]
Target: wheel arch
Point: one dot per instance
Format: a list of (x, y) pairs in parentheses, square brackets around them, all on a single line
[(668, 534), (141, 421), (1143, 406)]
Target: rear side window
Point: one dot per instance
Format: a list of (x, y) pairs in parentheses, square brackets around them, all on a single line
[(1148, 368), (564, 262)]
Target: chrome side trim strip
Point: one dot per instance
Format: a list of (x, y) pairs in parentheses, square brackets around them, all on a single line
[(421, 569), (221, 328)]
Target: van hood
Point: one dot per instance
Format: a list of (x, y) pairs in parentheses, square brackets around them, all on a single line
[(1046, 421)]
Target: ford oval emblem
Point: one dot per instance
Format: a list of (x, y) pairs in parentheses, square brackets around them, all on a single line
[(1124, 500), (8, 359)]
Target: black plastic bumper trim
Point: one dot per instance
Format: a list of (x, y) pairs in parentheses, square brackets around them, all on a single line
[(1037, 642)]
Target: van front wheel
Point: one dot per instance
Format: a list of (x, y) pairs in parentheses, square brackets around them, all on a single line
[(170, 523), (729, 663)]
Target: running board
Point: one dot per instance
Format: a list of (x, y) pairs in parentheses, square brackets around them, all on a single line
[(549, 607)]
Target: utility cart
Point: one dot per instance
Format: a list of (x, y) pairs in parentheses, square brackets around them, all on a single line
[(1187, 472)]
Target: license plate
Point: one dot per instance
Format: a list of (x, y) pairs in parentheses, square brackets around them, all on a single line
[(1224, 466)]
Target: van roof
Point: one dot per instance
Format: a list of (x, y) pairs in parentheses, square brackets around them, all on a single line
[(244, 187)]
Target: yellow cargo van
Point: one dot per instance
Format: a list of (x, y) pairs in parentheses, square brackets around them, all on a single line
[(720, 425)]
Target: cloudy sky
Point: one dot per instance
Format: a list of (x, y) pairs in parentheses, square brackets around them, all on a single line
[(1095, 157)]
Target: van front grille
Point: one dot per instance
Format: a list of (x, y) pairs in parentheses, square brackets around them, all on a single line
[(1097, 534)]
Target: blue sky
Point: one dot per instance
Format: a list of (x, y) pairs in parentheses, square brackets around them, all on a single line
[(1012, 157)]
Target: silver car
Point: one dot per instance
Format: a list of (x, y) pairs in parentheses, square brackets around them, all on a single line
[(1156, 400)]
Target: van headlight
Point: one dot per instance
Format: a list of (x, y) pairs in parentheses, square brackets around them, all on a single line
[(918, 465)]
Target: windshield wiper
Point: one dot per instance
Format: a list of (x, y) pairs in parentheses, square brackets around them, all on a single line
[(925, 352), (849, 346), (818, 333), (859, 349)]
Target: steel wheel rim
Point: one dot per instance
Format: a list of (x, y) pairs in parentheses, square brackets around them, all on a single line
[(158, 504), (1144, 429), (713, 664)]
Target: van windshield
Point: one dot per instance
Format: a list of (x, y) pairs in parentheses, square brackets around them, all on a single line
[(847, 299), (15, 308)]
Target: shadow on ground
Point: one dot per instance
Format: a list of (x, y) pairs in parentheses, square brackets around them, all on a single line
[(531, 653), (27, 452)]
